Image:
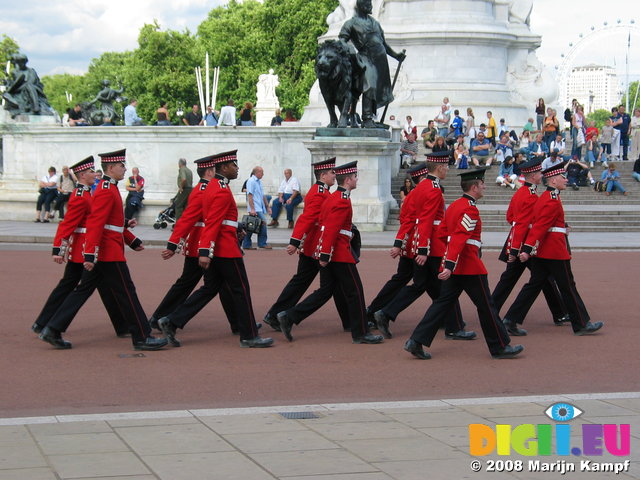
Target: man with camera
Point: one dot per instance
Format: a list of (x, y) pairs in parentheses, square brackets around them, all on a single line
[(258, 206)]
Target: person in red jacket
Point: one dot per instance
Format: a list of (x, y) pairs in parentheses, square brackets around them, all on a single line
[(519, 216), (547, 249), (67, 246), (186, 237), (427, 250), (220, 256), (401, 247), (105, 263), (337, 259), (303, 240), (463, 270)]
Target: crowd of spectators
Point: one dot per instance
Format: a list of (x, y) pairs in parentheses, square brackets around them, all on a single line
[(570, 138)]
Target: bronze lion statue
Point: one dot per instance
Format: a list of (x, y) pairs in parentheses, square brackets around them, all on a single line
[(338, 74)]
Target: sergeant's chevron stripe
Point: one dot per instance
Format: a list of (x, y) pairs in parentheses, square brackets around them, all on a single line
[(468, 223)]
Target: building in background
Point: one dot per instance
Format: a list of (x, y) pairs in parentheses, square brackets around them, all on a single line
[(594, 86)]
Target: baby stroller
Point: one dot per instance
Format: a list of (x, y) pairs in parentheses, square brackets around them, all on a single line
[(166, 217)]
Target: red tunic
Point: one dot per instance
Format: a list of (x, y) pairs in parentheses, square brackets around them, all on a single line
[(547, 237), (187, 230), (307, 228), (404, 237), (106, 234), (219, 237), (334, 244), (430, 212), (463, 226), (71, 232), (519, 215)]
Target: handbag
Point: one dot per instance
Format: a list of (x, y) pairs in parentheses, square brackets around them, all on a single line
[(600, 186), (251, 223)]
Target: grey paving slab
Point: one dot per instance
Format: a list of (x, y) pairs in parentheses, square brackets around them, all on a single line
[(453, 436), (346, 476), (69, 428), (81, 443), (348, 416), (20, 456), (364, 430), (401, 449), (270, 422), (28, 473), (630, 403), (505, 410), (169, 439), (92, 465), (15, 435), (447, 469), (600, 408), (209, 466), (314, 462), (147, 422), (437, 419), (279, 441)]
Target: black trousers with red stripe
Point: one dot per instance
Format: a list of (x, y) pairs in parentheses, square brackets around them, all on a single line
[(425, 279), (293, 291), (114, 278), (222, 273), (69, 281), (389, 290), (184, 285), (337, 276), (477, 287), (560, 271), (510, 277)]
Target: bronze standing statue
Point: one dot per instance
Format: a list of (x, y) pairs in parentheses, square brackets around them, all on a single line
[(24, 92), (106, 97), (374, 82)]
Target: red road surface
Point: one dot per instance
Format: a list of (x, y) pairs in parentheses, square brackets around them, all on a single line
[(321, 365)]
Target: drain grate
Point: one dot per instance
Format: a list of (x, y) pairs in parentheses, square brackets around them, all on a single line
[(298, 415), (131, 355)]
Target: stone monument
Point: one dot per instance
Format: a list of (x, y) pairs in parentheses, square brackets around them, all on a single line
[(267, 100), (478, 53), (24, 96)]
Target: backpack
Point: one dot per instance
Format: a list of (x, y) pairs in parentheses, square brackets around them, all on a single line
[(567, 115)]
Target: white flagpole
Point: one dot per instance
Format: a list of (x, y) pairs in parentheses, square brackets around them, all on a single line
[(199, 82), (214, 93), (206, 69)]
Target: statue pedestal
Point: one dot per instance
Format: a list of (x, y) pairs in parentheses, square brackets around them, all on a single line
[(375, 155), (264, 115)]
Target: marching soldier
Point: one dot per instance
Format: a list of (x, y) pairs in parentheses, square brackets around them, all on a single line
[(546, 247), (463, 271), (520, 215), (220, 256), (401, 248), (186, 237), (337, 261), (67, 246), (105, 263), (304, 239), (427, 249)]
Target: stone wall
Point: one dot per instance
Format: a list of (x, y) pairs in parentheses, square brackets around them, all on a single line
[(28, 152)]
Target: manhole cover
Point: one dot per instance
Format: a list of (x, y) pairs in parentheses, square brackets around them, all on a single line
[(298, 415)]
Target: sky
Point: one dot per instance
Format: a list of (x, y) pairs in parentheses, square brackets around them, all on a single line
[(63, 37)]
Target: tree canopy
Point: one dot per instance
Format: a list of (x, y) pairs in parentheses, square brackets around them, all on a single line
[(243, 38)]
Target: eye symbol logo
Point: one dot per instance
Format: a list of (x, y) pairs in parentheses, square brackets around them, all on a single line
[(563, 412)]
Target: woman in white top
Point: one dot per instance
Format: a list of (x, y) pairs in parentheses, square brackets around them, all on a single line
[(525, 139), (635, 135), (470, 127)]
